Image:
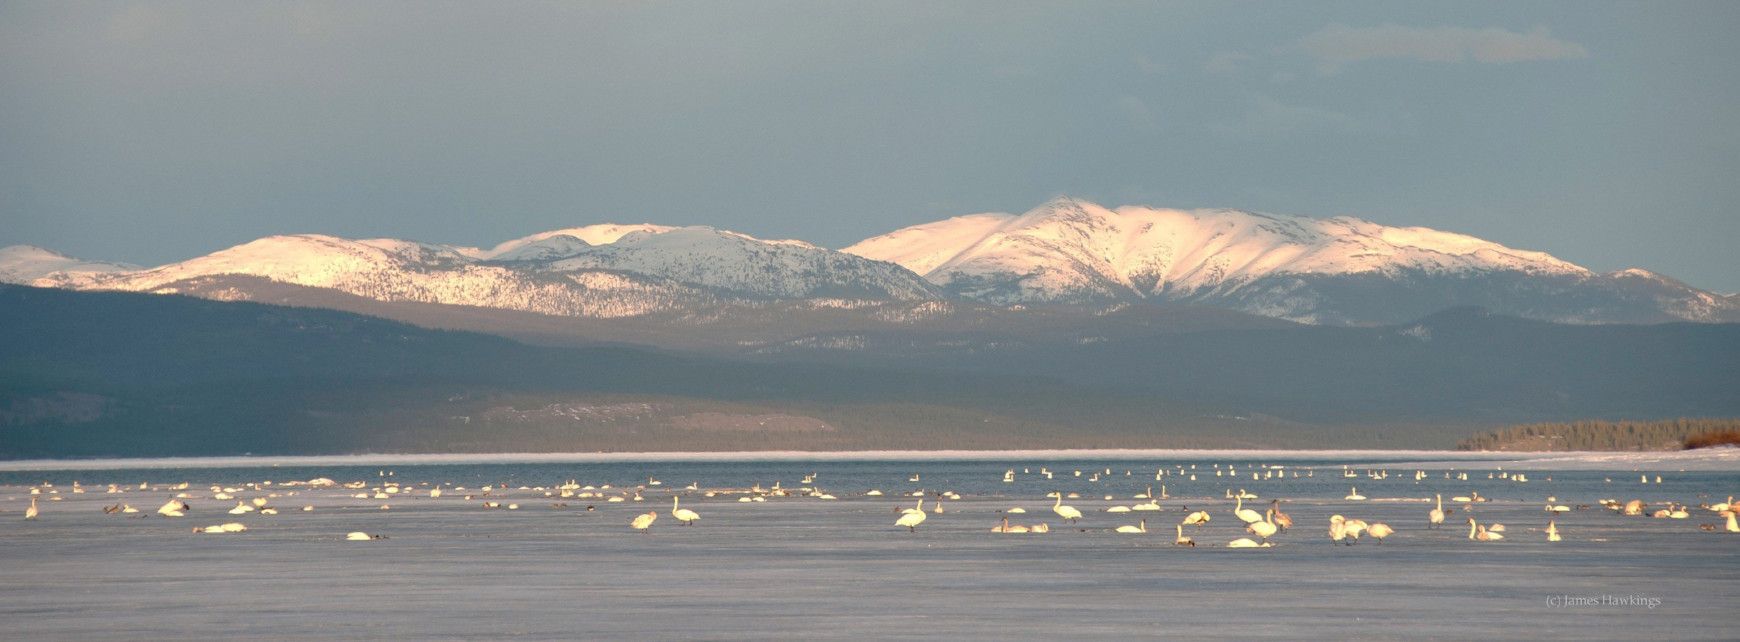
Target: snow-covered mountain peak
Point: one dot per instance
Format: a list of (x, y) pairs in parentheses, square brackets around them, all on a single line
[(742, 263), (598, 270), (1069, 249), (601, 234), (1340, 270), (27, 263)]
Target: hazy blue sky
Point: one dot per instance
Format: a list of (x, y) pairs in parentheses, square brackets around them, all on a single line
[(1605, 133)]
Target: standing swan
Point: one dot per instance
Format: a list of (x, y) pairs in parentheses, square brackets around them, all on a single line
[(1379, 531), (1246, 515), (1281, 520), (912, 518), (643, 522), (1435, 519), (1338, 530), (1263, 528), (1552, 531), (684, 515), (1068, 513), (30, 513)]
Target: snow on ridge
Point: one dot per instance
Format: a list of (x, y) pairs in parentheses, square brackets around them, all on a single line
[(28, 263), (1066, 246), (595, 271), (600, 234)]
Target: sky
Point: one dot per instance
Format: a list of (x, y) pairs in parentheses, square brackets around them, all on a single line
[(1605, 133)]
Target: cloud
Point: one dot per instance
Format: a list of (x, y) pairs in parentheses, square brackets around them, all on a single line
[(1266, 117), (1338, 45), (1226, 62)]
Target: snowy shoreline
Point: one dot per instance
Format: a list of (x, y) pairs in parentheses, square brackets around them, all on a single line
[(1707, 459)]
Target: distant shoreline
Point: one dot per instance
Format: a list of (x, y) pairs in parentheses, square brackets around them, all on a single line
[(1709, 459)]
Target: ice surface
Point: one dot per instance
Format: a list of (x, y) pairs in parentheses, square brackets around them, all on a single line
[(800, 567)]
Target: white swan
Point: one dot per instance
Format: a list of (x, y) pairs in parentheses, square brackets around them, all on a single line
[(30, 513), (684, 515), (1435, 518), (1379, 531), (1338, 530), (1197, 518), (1246, 542), (231, 527), (1068, 513), (1552, 531), (1733, 526), (1354, 528), (643, 522), (1181, 540), (912, 518), (1263, 528), (1246, 515), (173, 508), (1354, 495), (1479, 533), (1143, 528)]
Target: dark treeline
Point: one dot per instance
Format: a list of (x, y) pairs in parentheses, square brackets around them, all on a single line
[(1664, 434)]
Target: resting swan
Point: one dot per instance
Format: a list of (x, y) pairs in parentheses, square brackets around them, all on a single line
[(1181, 540), (1197, 518), (1479, 533)]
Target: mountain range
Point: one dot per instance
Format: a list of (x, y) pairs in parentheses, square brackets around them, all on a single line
[(1070, 325), (1337, 271)]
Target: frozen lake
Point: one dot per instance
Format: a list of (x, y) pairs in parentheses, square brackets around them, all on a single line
[(803, 567)]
